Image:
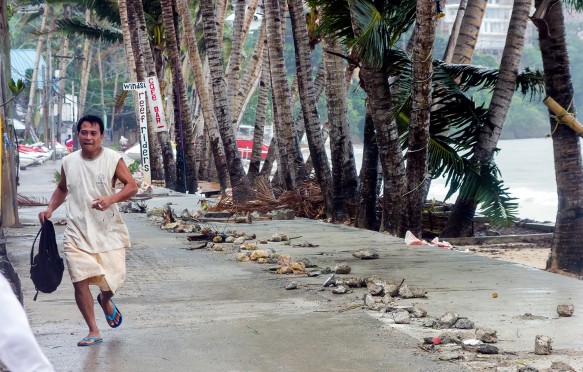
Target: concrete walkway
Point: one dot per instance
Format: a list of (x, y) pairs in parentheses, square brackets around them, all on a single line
[(200, 310)]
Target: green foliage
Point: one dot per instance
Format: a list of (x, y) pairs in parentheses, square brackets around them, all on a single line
[(134, 167), (56, 176), (92, 31)]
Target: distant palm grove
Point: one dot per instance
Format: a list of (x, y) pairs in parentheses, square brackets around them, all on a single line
[(421, 100)]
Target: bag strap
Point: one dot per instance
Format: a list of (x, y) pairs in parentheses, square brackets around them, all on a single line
[(33, 243)]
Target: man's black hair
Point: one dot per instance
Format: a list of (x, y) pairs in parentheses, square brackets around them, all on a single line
[(93, 120)]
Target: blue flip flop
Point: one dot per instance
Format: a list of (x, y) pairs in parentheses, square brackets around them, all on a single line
[(112, 317), (87, 343)]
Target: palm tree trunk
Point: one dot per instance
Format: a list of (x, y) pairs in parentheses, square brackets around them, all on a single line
[(345, 179), (308, 101), (416, 172), (455, 31), (234, 65), (186, 179), (376, 85), (460, 222), (86, 70), (239, 182), (366, 213), (163, 147), (291, 165), (469, 30), (210, 121), (260, 112), (566, 251), (34, 83)]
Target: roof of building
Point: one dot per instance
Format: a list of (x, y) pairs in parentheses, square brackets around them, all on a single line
[(22, 60)]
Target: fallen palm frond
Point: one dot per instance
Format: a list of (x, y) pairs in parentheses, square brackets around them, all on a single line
[(306, 200), (31, 201)]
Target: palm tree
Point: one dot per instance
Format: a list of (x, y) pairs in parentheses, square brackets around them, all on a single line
[(461, 220), (469, 30), (566, 251), (308, 101), (210, 121), (186, 176), (345, 180), (239, 182), (418, 140), (8, 205)]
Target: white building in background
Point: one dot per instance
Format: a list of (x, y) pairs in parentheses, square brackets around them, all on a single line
[(492, 36)]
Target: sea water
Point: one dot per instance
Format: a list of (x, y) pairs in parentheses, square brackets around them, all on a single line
[(528, 170)]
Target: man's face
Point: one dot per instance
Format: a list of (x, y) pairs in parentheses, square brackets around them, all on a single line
[(89, 136)]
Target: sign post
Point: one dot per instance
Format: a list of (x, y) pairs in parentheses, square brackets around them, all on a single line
[(155, 104), (140, 88)]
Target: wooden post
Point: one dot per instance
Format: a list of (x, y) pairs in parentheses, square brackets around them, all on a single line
[(564, 116)]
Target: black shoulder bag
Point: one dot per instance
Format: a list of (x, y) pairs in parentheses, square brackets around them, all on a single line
[(46, 268)]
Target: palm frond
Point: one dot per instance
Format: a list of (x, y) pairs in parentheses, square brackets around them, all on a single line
[(574, 4), (489, 191), (107, 10), (91, 31)]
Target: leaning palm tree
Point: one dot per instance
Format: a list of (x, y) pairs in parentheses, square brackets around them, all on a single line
[(566, 251)]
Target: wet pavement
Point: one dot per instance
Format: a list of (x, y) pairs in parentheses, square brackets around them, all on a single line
[(199, 310)]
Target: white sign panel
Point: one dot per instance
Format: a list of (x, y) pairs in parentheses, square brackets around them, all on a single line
[(140, 85), (155, 103), (144, 146)]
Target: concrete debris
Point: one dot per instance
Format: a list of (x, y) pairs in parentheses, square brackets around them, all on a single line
[(418, 312), (283, 214), (487, 335), (450, 356), (355, 282), (369, 300), (471, 342), (411, 292), (240, 240), (330, 282), (392, 288), (313, 274), (279, 237), (447, 320), (376, 285), (561, 367), (242, 257), (255, 215), (486, 349), (401, 317), (342, 268), (340, 290), (292, 285), (429, 323), (387, 299), (366, 254), (155, 212), (249, 246), (543, 345), (258, 253), (566, 310), (463, 323)]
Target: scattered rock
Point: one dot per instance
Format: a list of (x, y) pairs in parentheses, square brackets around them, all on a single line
[(447, 320), (285, 270), (249, 246), (401, 317), (486, 349), (387, 299), (429, 323), (450, 356), (392, 288), (240, 240), (185, 215), (355, 282), (307, 262), (342, 268), (369, 300), (229, 239), (330, 282), (298, 267), (463, 323), (340, 290), (487, 335), (155, 212), (263, 241), (543, 345), (292, 285), (449, 337), (366, 254), (411, 292), (242, 257), (283, 214), (218, 239), (566, 310), (255, 215), (527, 369), (170, 226), (561, 367), (418, 312), (258, 253), (312, 274), (375, 289)]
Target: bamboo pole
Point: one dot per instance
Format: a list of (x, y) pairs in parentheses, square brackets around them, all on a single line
[(564, 116)]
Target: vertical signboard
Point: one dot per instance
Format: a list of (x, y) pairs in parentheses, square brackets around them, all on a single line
[(140, 88), (155, 104)]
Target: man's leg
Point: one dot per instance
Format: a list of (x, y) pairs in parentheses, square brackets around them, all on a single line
[(107, 306), (84, 301)]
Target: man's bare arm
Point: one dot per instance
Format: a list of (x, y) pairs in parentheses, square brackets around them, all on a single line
[(130, 188), (57, 198)]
